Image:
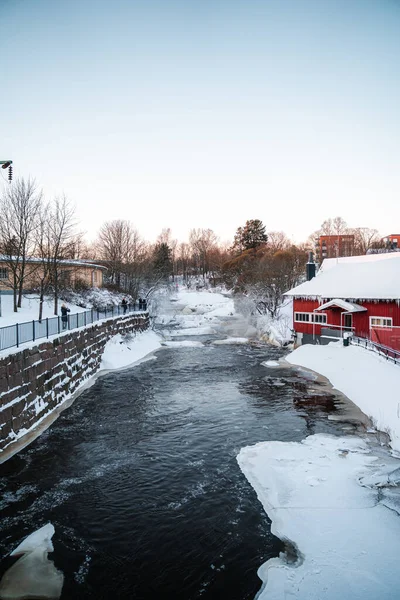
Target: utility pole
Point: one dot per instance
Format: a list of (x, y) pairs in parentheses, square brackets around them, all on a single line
[(6, 164)]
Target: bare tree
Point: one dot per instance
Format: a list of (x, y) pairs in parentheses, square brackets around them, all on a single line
[(137, 266), (114, 247), (339, 226), (60, 235), (79, 248), (365, 238), (336, 226), (202, 241), (183, 259), (125, 253), (278, 240), (275, 274), (44, 254), (19, 208)]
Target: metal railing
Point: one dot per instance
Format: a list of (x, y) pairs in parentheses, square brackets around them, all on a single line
[(385, 351), (30, 331)]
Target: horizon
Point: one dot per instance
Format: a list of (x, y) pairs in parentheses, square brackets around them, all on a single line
[(179, 115)]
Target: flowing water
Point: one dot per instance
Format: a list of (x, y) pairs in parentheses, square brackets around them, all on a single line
[(140, 479)]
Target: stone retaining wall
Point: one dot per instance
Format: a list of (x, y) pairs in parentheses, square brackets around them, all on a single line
[(35, 381)]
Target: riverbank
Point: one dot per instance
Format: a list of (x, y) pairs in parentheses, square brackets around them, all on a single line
[(334, 500), (370, 381)]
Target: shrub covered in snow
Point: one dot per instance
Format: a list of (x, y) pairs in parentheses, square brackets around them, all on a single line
[(97, 298)]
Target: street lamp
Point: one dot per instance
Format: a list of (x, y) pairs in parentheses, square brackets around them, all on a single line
[(6, 164)]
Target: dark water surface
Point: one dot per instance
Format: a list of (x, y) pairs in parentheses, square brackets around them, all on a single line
[(140, 479)]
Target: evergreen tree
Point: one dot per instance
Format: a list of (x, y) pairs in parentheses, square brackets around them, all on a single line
[(162, 260), (251, 236)]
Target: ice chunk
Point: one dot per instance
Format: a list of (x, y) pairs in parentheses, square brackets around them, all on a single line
[(270, 363), (231, 340), (40, 537), (32, 576)]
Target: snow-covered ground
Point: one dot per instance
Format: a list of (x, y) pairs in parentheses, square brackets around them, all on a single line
[(325, 497), (123, 351), (366, 378), (29, 310), (78, 302), (33, 575), (335, 500)]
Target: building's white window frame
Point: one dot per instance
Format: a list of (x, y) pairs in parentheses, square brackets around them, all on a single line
[(304, 314), (382, 322), (320, 318), (3, 273), (317, 318)]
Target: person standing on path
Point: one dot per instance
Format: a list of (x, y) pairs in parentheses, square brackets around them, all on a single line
[(64, 315), (124, 305)]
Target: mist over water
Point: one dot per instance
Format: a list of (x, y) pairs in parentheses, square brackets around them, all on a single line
[(140, 479)]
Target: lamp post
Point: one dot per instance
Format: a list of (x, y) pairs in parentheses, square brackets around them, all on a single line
[(6, 164)]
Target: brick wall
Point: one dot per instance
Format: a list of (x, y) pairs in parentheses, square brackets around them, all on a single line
[(35, 381)]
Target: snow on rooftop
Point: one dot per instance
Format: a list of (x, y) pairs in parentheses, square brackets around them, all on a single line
[(328, 263), (350, 307), (375, 276), (82, 262)]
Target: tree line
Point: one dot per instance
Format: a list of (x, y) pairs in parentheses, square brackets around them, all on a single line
[(258, 263)]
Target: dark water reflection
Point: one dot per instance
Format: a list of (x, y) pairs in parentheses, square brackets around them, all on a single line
[(140, 479)]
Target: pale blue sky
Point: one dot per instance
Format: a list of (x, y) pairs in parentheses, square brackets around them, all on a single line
[(184, 113)]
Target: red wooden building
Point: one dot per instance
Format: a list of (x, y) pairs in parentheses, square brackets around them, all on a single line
[(358, 295)]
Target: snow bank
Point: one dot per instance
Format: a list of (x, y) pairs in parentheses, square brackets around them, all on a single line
[(40, 537), (122, 351), (368, 380), (341, 543), (33, 575)]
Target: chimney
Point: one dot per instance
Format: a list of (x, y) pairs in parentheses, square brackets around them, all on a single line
[(310, 268)]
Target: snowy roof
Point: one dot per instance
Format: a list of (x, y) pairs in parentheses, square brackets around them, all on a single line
[(34, 259), (328, 263), (375, 277), (349, 307)]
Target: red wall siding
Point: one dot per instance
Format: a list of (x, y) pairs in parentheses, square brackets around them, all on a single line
[(300, 305), (376, 309), (360, 320)]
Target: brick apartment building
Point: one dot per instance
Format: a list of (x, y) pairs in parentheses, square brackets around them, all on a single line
[(392, 241), (333, 246)]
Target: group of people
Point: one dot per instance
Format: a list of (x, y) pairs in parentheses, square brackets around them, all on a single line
[(142, 304)]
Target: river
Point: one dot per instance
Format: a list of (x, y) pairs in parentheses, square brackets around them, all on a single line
[(140, 479)]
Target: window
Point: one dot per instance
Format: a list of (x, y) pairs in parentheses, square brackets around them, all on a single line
[(309, 318), (3, 273), (380, 322), (302, 317), (319, 318)]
